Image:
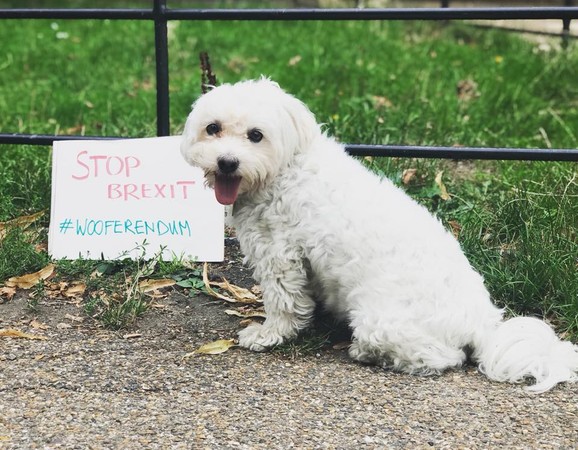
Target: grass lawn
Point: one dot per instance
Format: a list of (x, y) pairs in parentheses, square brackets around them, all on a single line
[(369, 82)]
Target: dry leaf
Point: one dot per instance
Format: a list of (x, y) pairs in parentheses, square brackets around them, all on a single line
[(214, 348), (132, 336), (19, 334), (157, 295), (74, 318), (467, 90), (247, 322), (76, 290), (210, 290), (21, 222), (63, 326), (257, 290), (239, 294), (443, 191), (342, 345), (245, 314), (38, 325), (96, 274), (62, 288), (408, 175), (145, 85), (381, 102), (455, 227), (295, 60), (75, 129), (152, 285), (7, 292), (190, 264), (32, 279), (58, 287), (238, 64)]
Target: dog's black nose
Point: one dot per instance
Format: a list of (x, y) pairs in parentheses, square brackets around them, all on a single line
[(228, 165)]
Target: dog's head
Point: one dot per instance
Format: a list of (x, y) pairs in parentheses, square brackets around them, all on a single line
[(243, 135)]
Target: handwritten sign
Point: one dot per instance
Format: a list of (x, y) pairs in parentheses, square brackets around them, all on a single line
[(128, 197)]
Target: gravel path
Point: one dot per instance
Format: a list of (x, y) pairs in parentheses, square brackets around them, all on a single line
[(83, 387)]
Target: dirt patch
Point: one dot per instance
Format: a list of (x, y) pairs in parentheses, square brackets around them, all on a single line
[(192, 319), (199, 314), (177, 314)]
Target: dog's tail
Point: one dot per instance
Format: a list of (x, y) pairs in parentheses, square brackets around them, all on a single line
[(525, 347)]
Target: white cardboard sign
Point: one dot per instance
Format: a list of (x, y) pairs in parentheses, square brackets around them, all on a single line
[(111, 197)]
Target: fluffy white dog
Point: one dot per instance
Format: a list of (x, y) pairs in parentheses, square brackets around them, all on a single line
[(317, 226)]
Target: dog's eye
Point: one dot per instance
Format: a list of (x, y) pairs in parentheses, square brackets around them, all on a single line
[(255, 135), (213, 128)]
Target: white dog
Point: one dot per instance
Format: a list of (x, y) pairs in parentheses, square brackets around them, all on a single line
[(317, 226)]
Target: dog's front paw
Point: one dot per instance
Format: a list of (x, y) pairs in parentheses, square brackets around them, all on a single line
[(258, 338)]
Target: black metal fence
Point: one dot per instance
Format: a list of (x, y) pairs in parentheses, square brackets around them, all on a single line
[(160, 14)]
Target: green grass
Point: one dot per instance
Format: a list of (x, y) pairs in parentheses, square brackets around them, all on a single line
[(523, 238), (415, 66), (18, 254), (368, 82), (112, 294)]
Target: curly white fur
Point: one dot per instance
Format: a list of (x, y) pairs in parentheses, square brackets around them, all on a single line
[(317, 226)]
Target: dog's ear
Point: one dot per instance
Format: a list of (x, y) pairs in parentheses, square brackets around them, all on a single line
[(188, 138), (190, 133), (301, 117), (303, 121)]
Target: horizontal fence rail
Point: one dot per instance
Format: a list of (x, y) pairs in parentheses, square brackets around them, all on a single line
[(501, 153), (512, 13), (407, 151), (160, 14)]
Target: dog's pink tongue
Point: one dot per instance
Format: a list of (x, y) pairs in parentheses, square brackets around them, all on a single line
[(226, 188)]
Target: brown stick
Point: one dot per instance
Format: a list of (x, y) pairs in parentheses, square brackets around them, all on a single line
[(208, 78)]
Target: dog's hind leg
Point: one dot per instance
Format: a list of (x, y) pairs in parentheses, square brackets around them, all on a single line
[(401, 346), (288, 305)]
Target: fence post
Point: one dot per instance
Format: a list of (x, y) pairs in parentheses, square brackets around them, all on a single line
[(566, 22), (162, 67)]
